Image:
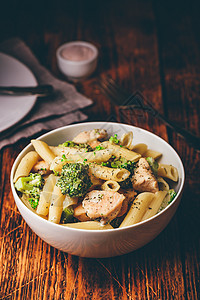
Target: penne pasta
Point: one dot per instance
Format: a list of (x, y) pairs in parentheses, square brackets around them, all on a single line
[(96, 156), (126, 139), (165, 202), (155, 204), (43, 150), (163, 185), (45, 196), (152, 153), (59, 150), (168, 171), (89, 225), (56, 205), (137, 209), (106, 173), (122, 152), (69, 201), (26, 164), (139, 148), (110, 185), (86, 157)]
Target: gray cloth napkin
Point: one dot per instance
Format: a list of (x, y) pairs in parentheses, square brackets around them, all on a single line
[(49, 113)]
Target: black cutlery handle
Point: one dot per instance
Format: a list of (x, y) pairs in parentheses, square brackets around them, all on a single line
[(40, 90)]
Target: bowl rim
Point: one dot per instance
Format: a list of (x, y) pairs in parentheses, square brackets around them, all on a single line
[(21, 154), (77, 63)]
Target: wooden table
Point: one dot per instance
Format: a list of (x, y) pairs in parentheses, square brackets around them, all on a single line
[(148, 46)]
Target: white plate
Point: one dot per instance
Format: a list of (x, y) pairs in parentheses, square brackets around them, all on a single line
[(14, 108)]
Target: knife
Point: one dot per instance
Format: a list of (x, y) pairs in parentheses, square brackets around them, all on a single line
[(39, 90)]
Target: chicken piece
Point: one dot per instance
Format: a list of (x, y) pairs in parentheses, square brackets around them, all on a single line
[(129, 196), (42, 167), (79, 213), (143, 179), (124, 208), (90, 135), (103, 204), (94, 143)]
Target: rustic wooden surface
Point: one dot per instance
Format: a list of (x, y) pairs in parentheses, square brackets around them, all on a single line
[(151, 46)]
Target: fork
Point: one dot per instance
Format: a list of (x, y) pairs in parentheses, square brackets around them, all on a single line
[(136, 100)]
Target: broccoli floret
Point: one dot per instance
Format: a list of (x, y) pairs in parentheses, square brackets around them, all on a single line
[(130, 166), (67, 215), (67, 144), (172, 195), (56, 173), (24, 184), (153, 164), (105, 164), (114, 139), (76, 145), (34, 197), (31, 185), (120, 163), (74, 180), (99, 147)]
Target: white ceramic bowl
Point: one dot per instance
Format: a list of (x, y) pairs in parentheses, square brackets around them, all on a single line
[(112, 242), (77, 69)]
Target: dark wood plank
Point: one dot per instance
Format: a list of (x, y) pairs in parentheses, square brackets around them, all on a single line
[(179, 49)]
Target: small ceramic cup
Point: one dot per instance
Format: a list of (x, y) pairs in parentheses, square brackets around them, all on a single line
[(77, 60)]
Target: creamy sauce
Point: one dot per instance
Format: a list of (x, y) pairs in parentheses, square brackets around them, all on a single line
[(77, 53)]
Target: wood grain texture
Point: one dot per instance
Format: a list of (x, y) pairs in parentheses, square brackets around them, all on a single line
[(150, 46)]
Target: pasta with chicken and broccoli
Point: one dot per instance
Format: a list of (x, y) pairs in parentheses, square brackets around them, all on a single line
[(95, 181)]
